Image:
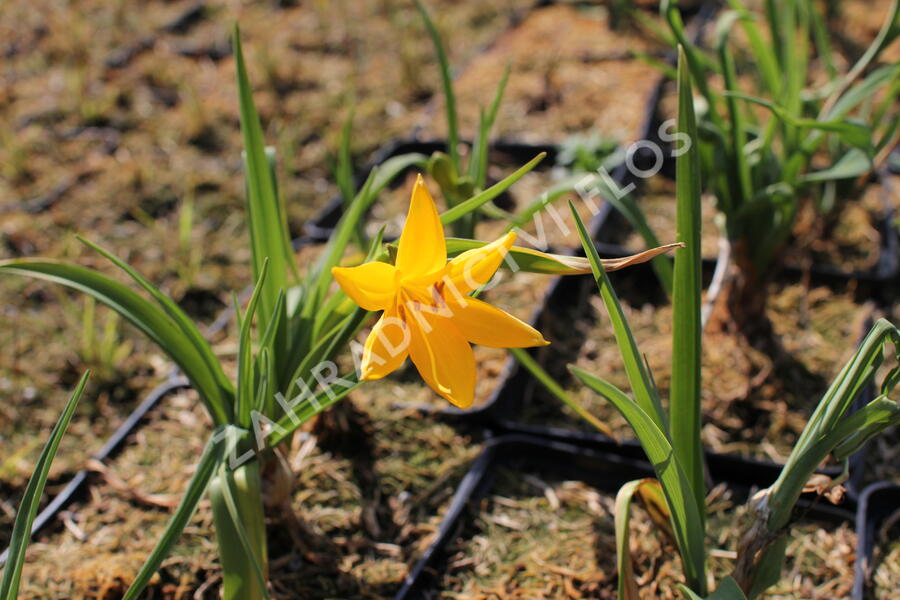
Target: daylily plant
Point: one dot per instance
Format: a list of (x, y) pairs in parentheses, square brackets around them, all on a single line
[(428, 314)]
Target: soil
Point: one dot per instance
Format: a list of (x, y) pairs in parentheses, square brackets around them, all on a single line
[(818, 328), (367, 494), (656, 199), (584, 78), (124, 127), (856, 23), (537, 536), (886, 562), (125, 130)]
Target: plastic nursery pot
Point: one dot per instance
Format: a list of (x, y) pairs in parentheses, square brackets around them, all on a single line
[(878, 504), (535, 459), (112, 446)]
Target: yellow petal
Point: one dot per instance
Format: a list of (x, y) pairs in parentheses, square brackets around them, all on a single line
[(443, 357), (422, 249), (373, 285), (473, 268), (486, 325), (386, 347)]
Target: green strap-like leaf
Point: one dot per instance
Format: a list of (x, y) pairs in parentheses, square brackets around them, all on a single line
[(175, 313), (648, 488), (534, 261), (852, 164), (728, 590), (245, 383), (230, 494), (554, 388), (642, 386), (762, 50), (851, 132), (476, 201), (31, 499), (447, 83), (662, 265), (308, 405), (141, 313), (684, 394), (478, 162), (268, 231), (193, 494), (687, 522), (344, 177), (740, 181)]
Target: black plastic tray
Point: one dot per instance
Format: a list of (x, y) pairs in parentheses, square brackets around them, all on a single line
[(592, 464), (877, 503)]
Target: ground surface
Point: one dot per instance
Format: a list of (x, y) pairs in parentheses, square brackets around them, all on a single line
[(120, 123)]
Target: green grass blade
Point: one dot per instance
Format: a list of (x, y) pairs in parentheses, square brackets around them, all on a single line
[(823, 44), (851, 132), (864, 90), (478, 162), (847, 385), (628, 589), (344, 177), (728, 589), (797, 45), (684, 395), (307, 406), (326, 346), (742, 186), (687, 521), (276, 341), (642, 386), (209, 461), (554, 388), (852, 164), (227, 487), (272, 161), (886, 35), (246, 385), (829, 424), (476, 201), (175, 313), (143, 314), (762, 51), (447, 83), (268, 231), (670, 12), (31, 499)]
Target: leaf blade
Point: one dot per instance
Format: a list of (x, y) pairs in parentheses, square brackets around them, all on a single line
[(21, 533)]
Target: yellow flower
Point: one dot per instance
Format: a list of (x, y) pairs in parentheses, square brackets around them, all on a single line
[(428, 314)]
